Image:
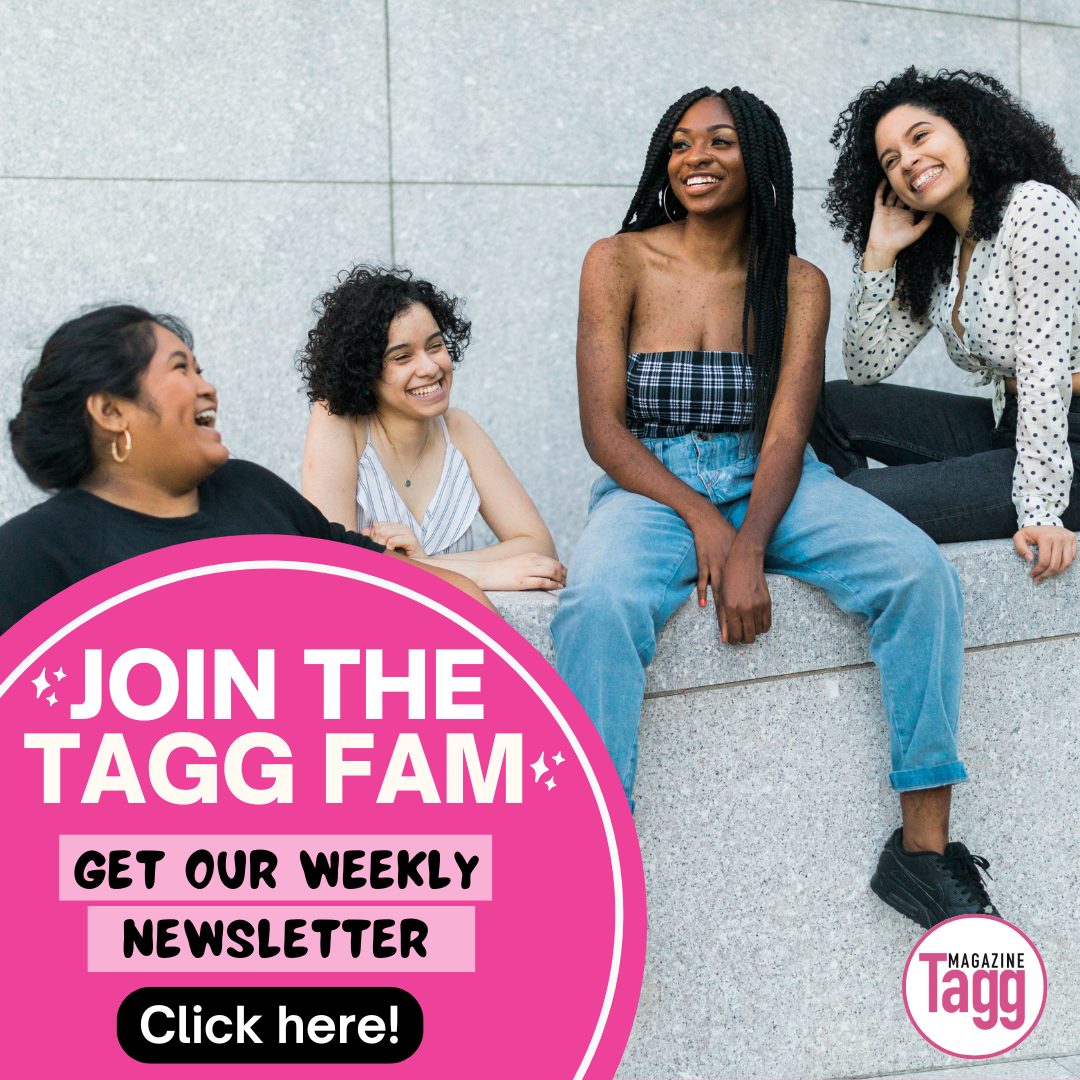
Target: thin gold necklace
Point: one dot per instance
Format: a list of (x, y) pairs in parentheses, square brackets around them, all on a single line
[(397, 456)]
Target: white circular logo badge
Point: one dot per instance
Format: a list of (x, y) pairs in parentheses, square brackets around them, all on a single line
[(974, 986)]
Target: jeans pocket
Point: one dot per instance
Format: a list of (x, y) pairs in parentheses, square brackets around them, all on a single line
[(600, 487)]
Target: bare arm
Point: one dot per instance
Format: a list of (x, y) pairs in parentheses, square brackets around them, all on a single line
[(520, 561), (329, 473), (328, 479), (746, 607), (504, 503), (524, 557), (459, 581), (606, 303)]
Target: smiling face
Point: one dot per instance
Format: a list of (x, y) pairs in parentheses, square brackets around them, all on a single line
[(706, 168), (417, 369), (175, 445), (924, 158)]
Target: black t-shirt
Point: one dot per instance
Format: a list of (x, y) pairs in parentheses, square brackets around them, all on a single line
[(75, 534)]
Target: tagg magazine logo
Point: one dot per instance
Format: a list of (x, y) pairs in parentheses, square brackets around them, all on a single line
[(974, 986)]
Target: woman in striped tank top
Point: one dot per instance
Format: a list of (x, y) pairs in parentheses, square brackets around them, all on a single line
[(701, 340), (386, 454)]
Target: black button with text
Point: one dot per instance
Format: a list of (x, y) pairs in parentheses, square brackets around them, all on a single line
[(297, 1024)]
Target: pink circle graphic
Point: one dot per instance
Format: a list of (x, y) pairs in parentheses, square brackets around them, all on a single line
[(285, 779), (970, 986)]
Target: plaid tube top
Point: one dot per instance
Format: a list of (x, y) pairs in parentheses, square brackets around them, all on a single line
[(669, 394)]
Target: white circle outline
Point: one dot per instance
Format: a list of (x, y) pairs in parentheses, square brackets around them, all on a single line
[(453, 616), (914, 1023)]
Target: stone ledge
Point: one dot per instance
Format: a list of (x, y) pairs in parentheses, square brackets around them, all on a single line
[(1002, 606), (761, 810), (763, 801)]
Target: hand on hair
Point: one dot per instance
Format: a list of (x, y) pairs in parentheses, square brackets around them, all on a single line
[(893, 228), (396, 537), (1057, 549)]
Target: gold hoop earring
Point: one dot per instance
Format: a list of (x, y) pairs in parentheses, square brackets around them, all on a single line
[(662, 200), (127, 448)]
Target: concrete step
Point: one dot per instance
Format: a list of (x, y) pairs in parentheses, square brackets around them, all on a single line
[(1059, 1068), (763, 801)]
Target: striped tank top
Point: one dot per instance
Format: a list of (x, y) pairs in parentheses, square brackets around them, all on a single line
[(669, 394), (447, 524)]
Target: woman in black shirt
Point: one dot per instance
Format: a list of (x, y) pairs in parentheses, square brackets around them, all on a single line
[(118, 420)]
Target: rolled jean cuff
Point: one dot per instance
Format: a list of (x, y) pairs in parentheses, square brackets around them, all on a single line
[(935, 776)]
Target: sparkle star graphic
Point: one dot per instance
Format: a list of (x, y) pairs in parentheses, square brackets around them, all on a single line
[(58, 675), (558, 758), (41, 683), (550, 783), (51, 699), (539, 767)]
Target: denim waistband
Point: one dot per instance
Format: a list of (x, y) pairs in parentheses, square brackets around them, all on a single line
[(720, 466), (718, 448)]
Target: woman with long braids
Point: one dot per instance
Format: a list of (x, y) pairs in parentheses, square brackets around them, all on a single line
[(701, 343), (963, 210)]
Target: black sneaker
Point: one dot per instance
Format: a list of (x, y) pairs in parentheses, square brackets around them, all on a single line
[(929, 888)]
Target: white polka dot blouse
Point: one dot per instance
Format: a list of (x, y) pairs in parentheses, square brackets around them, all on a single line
[(1021, 319)]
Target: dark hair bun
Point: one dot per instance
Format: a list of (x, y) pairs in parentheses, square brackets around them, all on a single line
[(103, 351)]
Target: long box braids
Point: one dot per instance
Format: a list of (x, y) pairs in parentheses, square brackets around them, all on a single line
[(771, 225)]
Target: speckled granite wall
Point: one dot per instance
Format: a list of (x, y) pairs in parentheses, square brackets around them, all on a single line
[(763, 801), (224, 161)]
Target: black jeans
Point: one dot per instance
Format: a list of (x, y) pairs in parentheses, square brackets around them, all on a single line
[(950, 470)]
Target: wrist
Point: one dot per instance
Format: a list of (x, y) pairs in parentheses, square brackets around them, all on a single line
[(699, 512), (748, 548), (876, 259)]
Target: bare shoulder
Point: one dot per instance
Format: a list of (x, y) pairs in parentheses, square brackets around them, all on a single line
[(808, 290), (614, 256), (805, 280), (360, 434), (330, 466), (465, 433), (333, 429), (459, 422)]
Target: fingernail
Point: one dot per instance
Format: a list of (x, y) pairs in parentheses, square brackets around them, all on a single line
[(701, 602)]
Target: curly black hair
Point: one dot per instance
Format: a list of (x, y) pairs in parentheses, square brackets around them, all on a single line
[(1006, 145), (343, 357), (771, 224)]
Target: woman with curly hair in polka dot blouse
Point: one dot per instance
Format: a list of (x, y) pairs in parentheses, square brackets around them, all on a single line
[(964, 211)]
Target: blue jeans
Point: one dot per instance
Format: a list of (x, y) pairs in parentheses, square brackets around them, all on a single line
[(635, 565)]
